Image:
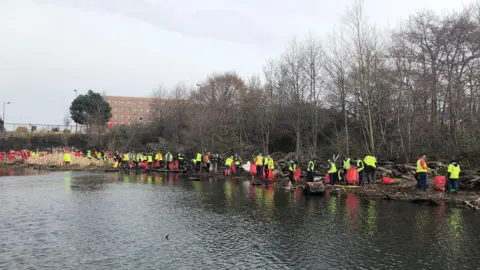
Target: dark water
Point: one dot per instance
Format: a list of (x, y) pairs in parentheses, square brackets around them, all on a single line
[(80, 220)]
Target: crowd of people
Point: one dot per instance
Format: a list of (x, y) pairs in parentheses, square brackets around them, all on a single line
[(355, 171)]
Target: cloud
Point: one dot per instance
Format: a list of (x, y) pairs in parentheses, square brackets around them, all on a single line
[(219, 24)]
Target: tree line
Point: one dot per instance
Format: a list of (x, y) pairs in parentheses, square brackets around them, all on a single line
[(395, 94)]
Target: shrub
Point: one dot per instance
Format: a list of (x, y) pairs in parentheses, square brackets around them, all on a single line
[(21, 129)]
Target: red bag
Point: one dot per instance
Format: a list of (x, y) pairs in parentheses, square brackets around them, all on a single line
[(440, 182), (175, 164), (352, 176), (253, 169), (170, 166), (327, 178), (270, 174), (387, 180), (2, 156), (296, 174), (234, 168)]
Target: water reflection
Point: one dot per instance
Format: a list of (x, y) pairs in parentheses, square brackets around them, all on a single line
[(352, 210), (68, 182), (220, 223), (372, 218), (17, 171)]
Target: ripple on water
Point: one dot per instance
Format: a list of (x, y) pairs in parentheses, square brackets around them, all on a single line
[(92, 221)]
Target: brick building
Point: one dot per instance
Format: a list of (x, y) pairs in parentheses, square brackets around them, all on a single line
[(130, 110)]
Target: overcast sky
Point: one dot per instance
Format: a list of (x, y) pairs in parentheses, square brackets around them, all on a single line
[(129, 47)]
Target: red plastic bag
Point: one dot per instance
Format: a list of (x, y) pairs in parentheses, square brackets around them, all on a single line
[(296, 174), (352, 176), (440, 182), (387, 180), (327, 178), (234, 168), (253, 169), (270, 174), (2, 156)]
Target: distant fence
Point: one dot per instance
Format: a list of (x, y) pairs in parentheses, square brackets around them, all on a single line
[(23, 127)]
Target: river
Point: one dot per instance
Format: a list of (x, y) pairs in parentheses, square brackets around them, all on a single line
[(80, 220)]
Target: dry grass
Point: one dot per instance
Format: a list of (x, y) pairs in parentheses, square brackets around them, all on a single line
[(57, 160)]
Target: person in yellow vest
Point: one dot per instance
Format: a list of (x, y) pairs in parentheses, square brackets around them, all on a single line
[(259, 162), (370, 168), (158, 160), (180, 161), (228, 166), (422, 170), (332, 171), (265, 165), (271, 166), (168, 160), (238, 161), (67, 158), (346, 167), (453, 176), (291, 171), (198, 162), (126, 160), (89, 154), (150, 160), (311, 170), (360, 170)]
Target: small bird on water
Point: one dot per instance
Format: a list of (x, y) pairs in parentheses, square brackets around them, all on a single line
[(166, 237)]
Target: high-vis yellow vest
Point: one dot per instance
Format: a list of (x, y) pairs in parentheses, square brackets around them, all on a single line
[(454, 171)]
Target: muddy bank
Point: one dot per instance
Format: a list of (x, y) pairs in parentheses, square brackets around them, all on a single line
[(409, 193)]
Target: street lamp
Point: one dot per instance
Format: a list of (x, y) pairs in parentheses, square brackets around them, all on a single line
[(3, 116), (76, 95)]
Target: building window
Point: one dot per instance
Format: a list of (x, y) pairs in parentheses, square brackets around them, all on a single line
[(128, 117), (135, 103), (141, 103), (115, 116), (148, 110), (128, 102), (122, 116), (123, 109), (129, 123), (116, 123), (115, 102), (115, 109), (128, 109), (123, 101), (135, 109), (141, 109)]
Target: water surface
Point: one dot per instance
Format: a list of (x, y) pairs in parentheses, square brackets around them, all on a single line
[(77, 220)]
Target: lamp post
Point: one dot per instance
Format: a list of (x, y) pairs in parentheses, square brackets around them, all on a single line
[(76, 95), (3, 116)]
